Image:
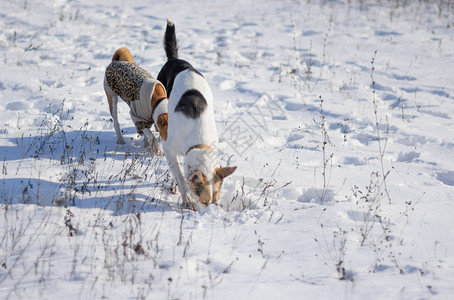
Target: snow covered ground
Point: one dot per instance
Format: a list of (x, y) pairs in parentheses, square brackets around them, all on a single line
[(338, 114)]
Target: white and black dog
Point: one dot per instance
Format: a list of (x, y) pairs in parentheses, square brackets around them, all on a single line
[(191, 129)]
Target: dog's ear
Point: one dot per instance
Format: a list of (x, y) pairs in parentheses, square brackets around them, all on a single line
[(162, 124), (196, 177), (158, 93), (224, 172)]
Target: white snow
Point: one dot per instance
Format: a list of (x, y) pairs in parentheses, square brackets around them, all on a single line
[(368, 217)]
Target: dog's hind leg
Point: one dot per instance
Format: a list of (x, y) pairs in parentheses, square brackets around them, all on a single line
[(113, 104)]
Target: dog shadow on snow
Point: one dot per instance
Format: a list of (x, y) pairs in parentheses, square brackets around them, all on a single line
[(50, 143), (85, 169)]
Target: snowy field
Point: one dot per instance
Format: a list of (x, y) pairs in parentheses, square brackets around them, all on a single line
[(338, 114)]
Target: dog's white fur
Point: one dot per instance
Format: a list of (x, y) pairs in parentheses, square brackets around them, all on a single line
[(191, 129), (184, 132)]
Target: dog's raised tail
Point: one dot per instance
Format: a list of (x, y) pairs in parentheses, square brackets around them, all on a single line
[(170, 41), (123, 54)]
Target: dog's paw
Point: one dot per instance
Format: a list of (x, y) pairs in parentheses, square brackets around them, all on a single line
[(158, 153), (146, 143), (157, 149), (189, 205), (188, 202), (173, 188)]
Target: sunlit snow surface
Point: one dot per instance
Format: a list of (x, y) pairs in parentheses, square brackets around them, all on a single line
[(338, 114)]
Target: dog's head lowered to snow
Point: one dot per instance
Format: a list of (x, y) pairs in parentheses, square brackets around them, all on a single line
[(205, 190), (204, 176)]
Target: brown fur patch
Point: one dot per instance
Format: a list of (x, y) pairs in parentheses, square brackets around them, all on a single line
[(199, 146), (200, 187), (163, 123), (217, 184), (158, 93), (218, 177), (123, 54)]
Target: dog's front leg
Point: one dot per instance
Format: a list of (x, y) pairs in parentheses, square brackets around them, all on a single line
[(153, 142), (113, 106), (181, 182)]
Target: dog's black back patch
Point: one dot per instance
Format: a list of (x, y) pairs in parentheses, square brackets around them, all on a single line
[(191, 104), (171, 69)]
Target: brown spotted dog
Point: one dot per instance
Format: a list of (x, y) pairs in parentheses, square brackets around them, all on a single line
[(146, 97)]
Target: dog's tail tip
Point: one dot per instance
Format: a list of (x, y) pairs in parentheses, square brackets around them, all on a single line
[(170, 41)]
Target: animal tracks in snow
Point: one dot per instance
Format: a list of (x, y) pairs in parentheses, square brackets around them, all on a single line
[(446, 177), (408, 156)]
